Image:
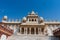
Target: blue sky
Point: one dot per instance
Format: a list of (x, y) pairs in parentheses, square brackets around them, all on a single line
[(17, 9)]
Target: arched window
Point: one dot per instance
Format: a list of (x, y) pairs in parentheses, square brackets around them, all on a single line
[(29, 19), (32, 19), (35, 19)]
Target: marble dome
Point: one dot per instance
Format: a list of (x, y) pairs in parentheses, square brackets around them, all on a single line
[(24, 18), (41, 18), (5, 17)]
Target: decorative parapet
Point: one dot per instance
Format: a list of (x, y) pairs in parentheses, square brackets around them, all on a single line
[(56, 32)]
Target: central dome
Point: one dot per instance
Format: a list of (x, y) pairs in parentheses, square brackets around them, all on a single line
[(32, 12)]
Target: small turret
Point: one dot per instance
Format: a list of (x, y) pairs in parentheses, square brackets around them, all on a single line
[(24, 19), (41, 19), (4, 19)]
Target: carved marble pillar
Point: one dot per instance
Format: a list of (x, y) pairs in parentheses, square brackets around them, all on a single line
[(29, 30), (35, 30), (38, 30), (26, 30), (20, 30), (15, 30)]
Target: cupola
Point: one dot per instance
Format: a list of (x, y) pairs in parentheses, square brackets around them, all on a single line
[(41, 19), (5, 18), (24, 19)]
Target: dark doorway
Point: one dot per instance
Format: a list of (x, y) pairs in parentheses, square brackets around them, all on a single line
[(32, 30), (36, 30), (22, 31)]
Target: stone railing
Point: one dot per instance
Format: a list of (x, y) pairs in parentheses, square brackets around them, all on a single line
[(5, 30)]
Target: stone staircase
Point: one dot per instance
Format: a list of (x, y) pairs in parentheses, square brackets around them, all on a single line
[(31, 37)]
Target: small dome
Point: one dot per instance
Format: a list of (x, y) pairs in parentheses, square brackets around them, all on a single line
[(41, 18), (5, 17), (24, 18)]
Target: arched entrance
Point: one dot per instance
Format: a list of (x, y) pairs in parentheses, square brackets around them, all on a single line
[(22, 31), (27, 30), (32, 30), (36, 30)]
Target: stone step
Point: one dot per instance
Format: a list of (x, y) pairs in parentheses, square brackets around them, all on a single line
[(28, 37)]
